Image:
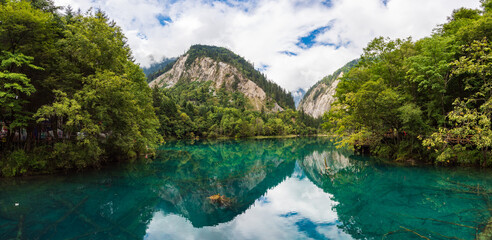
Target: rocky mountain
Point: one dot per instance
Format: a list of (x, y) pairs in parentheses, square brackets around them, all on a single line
[(156, 69), (318, 98), (225, 70)]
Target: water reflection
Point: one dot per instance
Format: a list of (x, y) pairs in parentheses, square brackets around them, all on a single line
[(241, 173), (274, 189), (378, 200), (294, 209)]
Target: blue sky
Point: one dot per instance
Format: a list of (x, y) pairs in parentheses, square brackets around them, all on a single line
[(296, 42), (308, 41)]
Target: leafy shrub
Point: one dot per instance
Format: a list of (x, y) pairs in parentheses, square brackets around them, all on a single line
[(16, 163), (69, 155)]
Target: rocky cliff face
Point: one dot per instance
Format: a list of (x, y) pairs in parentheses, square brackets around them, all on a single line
[(320, 98), (320, 164), (220, 74)]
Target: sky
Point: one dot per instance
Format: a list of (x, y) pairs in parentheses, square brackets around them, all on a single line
[(294, 42)]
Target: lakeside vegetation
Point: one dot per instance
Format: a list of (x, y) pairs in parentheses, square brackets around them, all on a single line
[(426, 100), (71, 95), (194, 109)]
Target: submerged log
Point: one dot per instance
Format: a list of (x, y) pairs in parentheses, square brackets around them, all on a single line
[(97, 227), (446, 222), (68, 213), (414, 232), (21, 224)]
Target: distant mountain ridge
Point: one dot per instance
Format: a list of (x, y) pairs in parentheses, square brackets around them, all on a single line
[(156, 69), (298, 95), (320, 96), (225, 69)]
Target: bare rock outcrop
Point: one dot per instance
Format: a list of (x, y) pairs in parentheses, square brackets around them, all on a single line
[(220, 74), (320, 98)]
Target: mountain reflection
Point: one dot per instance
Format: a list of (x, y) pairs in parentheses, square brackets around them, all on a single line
[(302, 188), (241, 173), (379, 200), (294, 209)]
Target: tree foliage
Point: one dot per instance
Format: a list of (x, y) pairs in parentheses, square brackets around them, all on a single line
[(470, 118), (428, 99), (196, 109), (69, 86)]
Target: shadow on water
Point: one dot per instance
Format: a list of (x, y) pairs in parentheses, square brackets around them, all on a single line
[(249, 189)]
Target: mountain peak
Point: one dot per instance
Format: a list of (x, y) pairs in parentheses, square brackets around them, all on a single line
[(225, 69)]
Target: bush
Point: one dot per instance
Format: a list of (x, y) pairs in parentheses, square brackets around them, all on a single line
[(16, 163), (69, 155)]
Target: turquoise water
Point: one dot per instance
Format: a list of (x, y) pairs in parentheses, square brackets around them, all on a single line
[(300, 188)]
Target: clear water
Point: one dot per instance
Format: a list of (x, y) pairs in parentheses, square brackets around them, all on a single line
[(274, 189)]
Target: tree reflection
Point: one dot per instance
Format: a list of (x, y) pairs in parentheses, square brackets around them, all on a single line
[(369, 199), (377, 200)]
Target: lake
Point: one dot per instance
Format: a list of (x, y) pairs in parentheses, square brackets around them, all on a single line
[(299, 188)]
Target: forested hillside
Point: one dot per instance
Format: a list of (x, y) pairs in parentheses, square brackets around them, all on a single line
[(213, 95), (70, 94), (157, 69), (193, 110), (220, 54), (428, 99)]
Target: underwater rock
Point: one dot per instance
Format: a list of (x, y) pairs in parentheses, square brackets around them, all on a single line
[(220, 200)]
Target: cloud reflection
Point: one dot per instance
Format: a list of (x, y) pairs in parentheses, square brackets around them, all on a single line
[(295, 209)]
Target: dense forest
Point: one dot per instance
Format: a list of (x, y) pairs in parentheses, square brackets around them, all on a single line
[(423, 100), (196, 109), (71, 95)]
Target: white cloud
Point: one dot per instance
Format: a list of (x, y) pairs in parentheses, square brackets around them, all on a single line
[(260, 30)]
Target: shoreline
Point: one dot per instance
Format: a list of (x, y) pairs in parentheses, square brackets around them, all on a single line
[(252, 137)]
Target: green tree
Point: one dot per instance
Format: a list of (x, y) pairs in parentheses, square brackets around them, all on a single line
[(15, 88), (77, 76), (470, 119), (429, 77)]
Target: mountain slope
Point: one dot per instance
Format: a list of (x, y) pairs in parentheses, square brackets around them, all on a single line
[(226, 70), (156, 69), (318, 98)]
